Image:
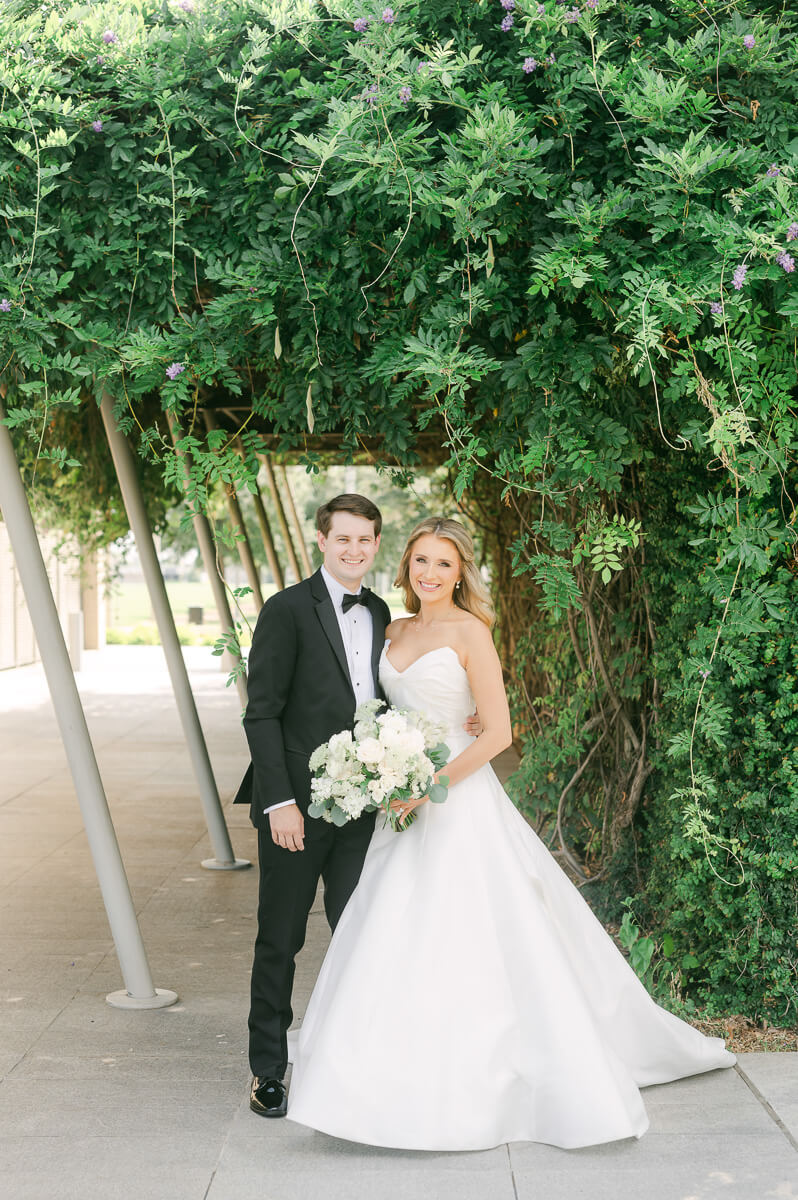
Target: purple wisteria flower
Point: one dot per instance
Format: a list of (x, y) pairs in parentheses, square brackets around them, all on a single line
[(541, 10), (786, 261), (792, 232), (388, 16), (100, 60), (371, 95), (174, 369), (716, 308), (361, 25), (572, 16), (773, 170), (186, 5), (551, 59), (749, 41), (405, 94), (738, 279), (508, 4), (109, 37), (97, 126), (423, 65), (591, 3), (508, 23), (5, 305), (529, 65)]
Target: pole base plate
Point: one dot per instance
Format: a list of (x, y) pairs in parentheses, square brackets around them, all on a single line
[(122, 999), (213, 864)]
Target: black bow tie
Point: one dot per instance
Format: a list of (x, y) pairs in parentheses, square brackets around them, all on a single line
[(349, 599)]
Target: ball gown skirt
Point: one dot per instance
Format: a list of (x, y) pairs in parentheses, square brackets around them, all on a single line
[(469, 996)]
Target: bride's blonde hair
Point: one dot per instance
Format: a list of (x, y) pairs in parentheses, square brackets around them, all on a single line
[(471, 595)]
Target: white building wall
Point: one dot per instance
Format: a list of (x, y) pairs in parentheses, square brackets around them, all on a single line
[(17, 642)]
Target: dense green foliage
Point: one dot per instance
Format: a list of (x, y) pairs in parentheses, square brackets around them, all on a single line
[(740, 893), (557, 241)]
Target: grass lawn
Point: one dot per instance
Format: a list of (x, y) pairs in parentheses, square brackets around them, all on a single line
[(131, 619)]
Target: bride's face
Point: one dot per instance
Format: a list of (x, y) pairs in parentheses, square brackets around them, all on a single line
[(434, 568)]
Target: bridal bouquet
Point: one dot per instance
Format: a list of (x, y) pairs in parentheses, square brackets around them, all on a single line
[(389, 755)]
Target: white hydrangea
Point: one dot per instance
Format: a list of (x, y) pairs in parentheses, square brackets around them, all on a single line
[(378, 790), (318, 758), (322, 788)]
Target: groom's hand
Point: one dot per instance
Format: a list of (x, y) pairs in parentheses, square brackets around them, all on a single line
[(288, 827), (473, 726)]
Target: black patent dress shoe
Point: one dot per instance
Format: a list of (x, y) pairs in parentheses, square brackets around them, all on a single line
[(268, 1097)]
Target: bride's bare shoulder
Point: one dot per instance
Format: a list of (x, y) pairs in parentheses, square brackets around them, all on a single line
[(396, 628), (472, 634)]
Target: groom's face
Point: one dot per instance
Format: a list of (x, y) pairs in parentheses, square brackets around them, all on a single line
[(349, 548)]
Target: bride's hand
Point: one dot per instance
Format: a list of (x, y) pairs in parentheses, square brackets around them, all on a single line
[(403, 808)]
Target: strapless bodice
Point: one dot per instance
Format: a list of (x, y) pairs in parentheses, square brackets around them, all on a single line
[(436, 684)]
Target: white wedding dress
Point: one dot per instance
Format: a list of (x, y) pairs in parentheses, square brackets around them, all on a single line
[(469, 997)]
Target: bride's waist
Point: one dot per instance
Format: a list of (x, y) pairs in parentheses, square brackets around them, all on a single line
[(457, 740)]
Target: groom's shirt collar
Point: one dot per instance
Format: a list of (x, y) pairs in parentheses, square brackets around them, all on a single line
[(337, 590)]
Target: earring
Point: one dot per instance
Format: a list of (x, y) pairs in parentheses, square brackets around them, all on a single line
[(456, 586)]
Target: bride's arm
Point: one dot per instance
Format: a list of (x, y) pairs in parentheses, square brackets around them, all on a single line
[(487, 686)]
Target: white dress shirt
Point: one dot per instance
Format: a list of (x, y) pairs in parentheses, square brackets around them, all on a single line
[(357, 633)]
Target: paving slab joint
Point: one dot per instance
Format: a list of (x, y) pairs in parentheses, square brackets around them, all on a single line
[(512, 1172), (768, 1107)]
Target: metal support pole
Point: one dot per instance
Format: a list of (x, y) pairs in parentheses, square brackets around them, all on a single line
[(278, 505), (202, 532), (265, 532), (130, 487), (139, 991), (268, 540), (300, 537), (239, 529)]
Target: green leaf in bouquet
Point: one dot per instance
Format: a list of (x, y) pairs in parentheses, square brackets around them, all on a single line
[(315, 810), (439, 754), (339, 818), (439, 791)]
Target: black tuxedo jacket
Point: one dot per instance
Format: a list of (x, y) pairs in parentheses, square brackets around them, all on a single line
[(300, 692)]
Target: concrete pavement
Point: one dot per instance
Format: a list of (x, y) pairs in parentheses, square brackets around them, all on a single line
[(96, 1101)]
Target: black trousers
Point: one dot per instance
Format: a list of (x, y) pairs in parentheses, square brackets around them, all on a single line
[(288, 883)]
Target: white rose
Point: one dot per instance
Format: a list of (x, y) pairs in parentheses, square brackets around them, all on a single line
[(407, 742), (370, 751)]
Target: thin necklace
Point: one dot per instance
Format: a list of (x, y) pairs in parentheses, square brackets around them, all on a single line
[(417, 624)]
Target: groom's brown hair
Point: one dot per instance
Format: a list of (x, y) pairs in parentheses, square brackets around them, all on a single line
[(349, 502)]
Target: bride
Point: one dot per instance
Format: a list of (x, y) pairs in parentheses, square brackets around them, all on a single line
[(469, 997)]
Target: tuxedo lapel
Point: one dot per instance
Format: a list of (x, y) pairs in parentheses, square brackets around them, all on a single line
[(329, 623), (378, 636)]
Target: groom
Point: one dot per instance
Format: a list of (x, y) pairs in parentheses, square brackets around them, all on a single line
[(314, 658)]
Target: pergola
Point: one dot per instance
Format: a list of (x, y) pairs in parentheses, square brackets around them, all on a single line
[(139, 990)]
